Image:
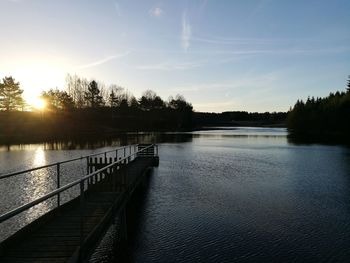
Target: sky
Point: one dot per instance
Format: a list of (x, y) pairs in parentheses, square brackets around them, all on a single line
[(250, 55)]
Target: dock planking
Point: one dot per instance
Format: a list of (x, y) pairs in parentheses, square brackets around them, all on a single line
[(70, 232)]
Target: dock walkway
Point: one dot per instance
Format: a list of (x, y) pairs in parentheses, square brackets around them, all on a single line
[(70, 232)]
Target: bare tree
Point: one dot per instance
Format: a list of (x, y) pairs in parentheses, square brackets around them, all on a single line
[(76, 88)]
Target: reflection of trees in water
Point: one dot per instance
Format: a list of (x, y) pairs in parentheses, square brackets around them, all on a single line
[(95, 142), (330, 139)]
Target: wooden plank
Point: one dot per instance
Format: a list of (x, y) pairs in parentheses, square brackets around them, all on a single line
[(19, 259), (59, 238), (38, 243), (55, 253)]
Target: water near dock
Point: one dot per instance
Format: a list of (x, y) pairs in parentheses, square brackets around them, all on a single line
[(221, 196)]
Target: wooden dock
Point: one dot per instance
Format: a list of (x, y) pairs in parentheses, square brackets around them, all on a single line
[(70, 232)]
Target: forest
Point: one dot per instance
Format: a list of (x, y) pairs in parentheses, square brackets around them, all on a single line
[(240, 118), (323, 118), (87, 108)]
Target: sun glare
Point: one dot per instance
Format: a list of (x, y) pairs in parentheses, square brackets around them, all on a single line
[(38, 104)]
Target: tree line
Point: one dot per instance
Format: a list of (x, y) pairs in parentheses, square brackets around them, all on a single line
[(86, 107), (81, 93), (322, 116), (240, 118)]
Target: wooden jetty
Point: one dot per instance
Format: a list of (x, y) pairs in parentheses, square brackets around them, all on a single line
[(70, 232)]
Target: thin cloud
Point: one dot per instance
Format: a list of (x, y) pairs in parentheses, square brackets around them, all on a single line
[(156, 12), (102, 61), (238, 53), (186, 33), (202, 6), (288, 51), (246, 82), (233, 41), (117, 8)]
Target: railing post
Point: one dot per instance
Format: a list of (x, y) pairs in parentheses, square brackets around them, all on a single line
[(82, 203), (124, 152), (88, 169), (87, 165), (58, 184)]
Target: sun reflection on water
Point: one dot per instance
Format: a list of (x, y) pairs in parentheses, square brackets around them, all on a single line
[(39, 157), (39, 184)]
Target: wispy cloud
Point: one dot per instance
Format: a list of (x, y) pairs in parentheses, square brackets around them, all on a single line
[(244, 82), (102, 61), (156, 12), (117, 8), (186, 32), (281, 51), (237, 40), (202, 6)]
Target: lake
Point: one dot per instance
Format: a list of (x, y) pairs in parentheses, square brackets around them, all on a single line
[(221, 195)]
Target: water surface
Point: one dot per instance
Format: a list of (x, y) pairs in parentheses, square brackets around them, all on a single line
[(245, 195), (225, 195)]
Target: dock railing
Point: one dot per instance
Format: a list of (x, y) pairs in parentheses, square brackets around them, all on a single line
[(134, 151)]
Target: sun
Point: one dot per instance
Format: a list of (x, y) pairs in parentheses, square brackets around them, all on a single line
[(38, 103)]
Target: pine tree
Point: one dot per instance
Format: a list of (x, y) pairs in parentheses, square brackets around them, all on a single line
[(92, 96), (348, 85), (10, 95)]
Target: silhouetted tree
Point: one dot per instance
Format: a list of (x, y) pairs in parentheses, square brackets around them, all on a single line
[(348, 84), (76, 88), (179, 103), (150, 101), (322, 115), (10, 95), (92, 95), (113, 99), (58, 100), (118, 96), (124, 105), (103, 91), (133, 103), (183, 111)]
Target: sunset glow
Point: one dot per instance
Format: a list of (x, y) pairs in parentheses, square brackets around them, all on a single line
[(37, 103)]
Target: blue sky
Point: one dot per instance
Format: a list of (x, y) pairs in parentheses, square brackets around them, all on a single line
[(248, 55)]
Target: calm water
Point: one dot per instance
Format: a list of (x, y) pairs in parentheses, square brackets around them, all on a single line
[(233, 195)]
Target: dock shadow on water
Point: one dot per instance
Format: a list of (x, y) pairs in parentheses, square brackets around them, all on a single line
[(113, 247)]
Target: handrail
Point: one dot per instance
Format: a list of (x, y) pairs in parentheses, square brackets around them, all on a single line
[(57, 163), (24, 207)]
